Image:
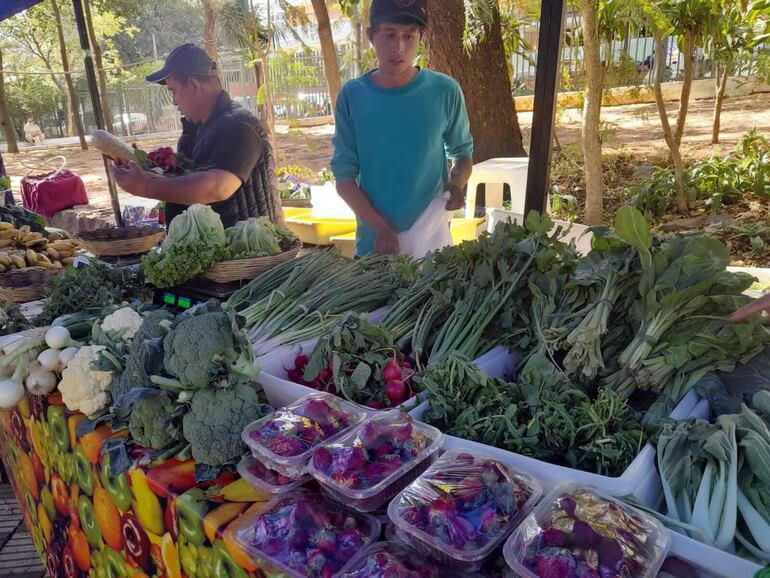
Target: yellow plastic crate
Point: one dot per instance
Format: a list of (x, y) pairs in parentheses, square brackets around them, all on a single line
[(319, 231), (462, 230), (293, 212)]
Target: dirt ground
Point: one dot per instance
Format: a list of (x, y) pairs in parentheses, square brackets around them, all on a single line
[(634, 129)]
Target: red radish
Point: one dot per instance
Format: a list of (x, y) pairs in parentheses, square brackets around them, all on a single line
[(376, 404), (391, 371), (395, 390), (324, 375), (295, 375), (301, 361)]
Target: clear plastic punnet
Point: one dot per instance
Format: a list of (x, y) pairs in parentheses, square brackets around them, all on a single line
[(463, 507), (390, 559), (580, 531), (305, 535), (370, 464), (284, 440), (267, 480)]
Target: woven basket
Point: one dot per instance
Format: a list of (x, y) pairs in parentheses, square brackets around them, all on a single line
[(247, 269), (117, 242), (26, 285)]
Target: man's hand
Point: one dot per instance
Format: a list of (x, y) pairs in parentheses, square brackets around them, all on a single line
[(457, 200), (753, 308), (386, 242), (131, 178)]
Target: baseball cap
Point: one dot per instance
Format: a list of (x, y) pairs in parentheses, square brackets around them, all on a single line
[(186, 60), (391, 10)]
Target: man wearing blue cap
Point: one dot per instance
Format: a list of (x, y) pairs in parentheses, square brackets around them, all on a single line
[(229, 146), (397, 127)]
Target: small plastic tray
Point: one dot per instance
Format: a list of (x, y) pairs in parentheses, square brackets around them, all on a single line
[(318, 231), (277, 552), (373, 497), (595, 509), (294, 466), (439, 485), (403, 562), (267, 480)]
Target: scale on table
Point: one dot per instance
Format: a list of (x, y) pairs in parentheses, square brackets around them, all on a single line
[(193, 292)]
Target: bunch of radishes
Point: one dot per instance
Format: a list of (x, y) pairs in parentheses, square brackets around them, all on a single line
[(389, 383)]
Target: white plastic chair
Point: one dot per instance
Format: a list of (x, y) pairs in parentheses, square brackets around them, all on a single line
[(494, 173)]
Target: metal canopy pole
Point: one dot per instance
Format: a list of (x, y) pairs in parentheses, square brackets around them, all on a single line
[(96, 104), (546, 87)]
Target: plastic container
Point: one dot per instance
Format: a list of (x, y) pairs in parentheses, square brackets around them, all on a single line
[(498, 362), (389, 559), (284, 440), (374, 443), (711, 562), (472, 500), (549, 541), (327, 204), (267, 480), (318, 231), (288, 527)]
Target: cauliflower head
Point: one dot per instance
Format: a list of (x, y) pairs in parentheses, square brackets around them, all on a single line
[(216, 419), (156, 421), (124, 322), (82, 388)]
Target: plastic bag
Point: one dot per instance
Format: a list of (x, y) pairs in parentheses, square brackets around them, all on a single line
[(577, 527), (463, 507), (430, 231)]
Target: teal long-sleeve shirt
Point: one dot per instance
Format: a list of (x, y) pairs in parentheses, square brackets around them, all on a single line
[(394, 143)]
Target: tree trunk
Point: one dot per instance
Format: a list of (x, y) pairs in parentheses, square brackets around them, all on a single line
[(357, 39), (720, 99), (101, 74), (689, 75), (270, 119), (681, 191), (592, 111), (366, 8), (5, 117), (210, 30), (482, 73), (73, 97), (329, 51)]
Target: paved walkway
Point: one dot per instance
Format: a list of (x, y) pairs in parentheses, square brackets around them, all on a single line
[(18, 557)]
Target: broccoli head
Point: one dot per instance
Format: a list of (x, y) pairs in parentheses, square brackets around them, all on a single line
[(155, 324), (206, 346), (156, 421), (216, 419)]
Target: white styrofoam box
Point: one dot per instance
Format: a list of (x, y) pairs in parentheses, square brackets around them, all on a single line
[(571, 231), (497, 362), (709, 561), (327, 204)]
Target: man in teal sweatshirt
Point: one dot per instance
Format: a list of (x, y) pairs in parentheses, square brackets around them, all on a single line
[(396, 128)]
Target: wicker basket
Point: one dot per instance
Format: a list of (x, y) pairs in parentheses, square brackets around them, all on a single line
[(21, 286), (118, 242), (247, 269)]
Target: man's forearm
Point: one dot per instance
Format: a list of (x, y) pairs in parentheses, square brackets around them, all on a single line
[(204, 187), (461, 171), (352, 194)]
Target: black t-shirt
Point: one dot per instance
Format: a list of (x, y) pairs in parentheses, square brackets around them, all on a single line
[(233, 140)]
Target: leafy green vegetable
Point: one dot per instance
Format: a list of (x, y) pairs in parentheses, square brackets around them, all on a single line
[(11, 319), (94, 286), (156, 421), (195, 241), (258, 238), (542, 415)]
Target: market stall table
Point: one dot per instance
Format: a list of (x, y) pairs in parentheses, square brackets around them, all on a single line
[(152, 520)]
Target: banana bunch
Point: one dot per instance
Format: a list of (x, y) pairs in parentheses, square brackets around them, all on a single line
[(23, 249)]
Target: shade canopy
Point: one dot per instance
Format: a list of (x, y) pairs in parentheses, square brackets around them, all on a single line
[(10, 7)]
